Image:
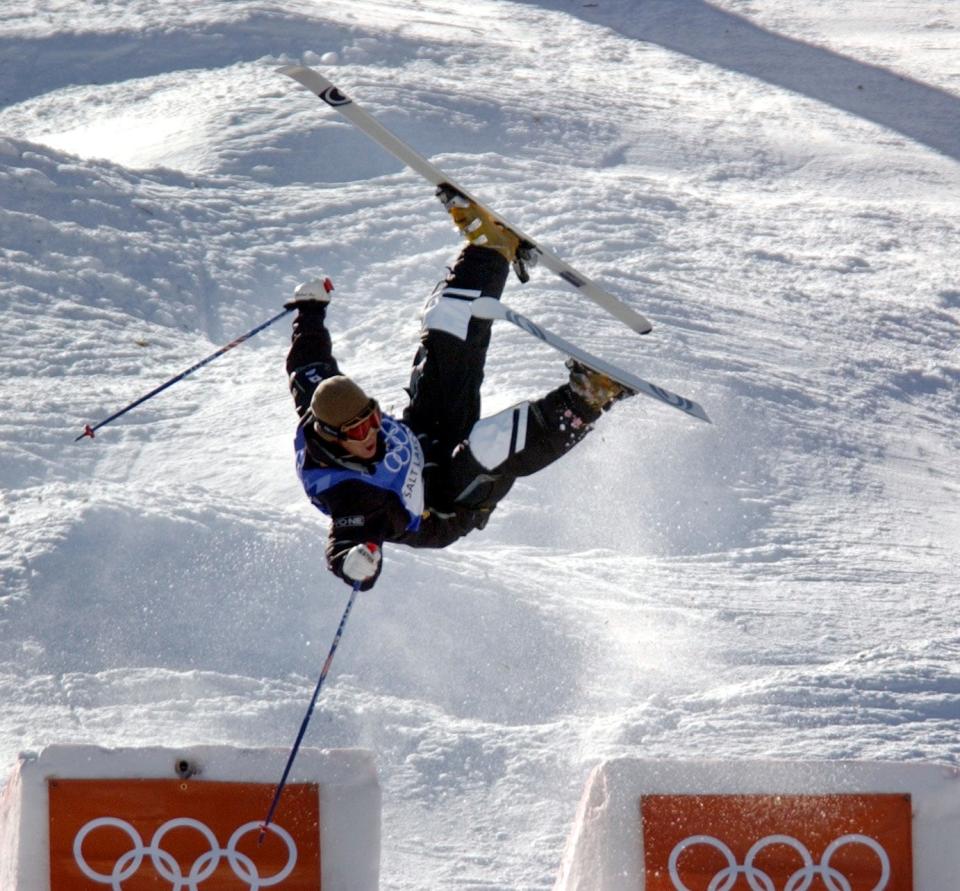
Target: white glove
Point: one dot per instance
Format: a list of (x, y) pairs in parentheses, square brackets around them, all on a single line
[(316, 292), (362, 562)]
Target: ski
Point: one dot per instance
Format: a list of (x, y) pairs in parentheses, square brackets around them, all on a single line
[(335, 98), (489, 308)]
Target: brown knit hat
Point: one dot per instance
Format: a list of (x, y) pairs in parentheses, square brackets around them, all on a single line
[(338, 400)]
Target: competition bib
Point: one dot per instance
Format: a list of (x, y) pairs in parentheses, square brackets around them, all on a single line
[(399, 471)]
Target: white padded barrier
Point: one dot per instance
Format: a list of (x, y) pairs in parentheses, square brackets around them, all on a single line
[(689, 826), (82, 818)]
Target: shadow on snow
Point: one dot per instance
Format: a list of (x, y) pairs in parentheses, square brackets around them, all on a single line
[(701, 31)]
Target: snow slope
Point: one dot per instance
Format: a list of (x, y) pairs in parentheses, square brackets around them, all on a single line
[(775, 184)]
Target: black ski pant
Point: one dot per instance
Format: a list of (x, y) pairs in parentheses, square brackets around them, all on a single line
[(474, 462)]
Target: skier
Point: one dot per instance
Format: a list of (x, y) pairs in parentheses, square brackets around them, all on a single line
[(432, 477)]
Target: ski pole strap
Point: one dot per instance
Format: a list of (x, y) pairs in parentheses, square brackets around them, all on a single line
[(89, 431), (308, 715)]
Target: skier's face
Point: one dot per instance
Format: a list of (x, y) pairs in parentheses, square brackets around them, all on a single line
[(358, 437), (364, 448)]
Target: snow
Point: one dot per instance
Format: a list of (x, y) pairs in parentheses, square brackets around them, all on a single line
[(774, 184)]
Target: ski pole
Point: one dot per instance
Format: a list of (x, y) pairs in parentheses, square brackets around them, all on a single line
[(308, 715), (89, 431)]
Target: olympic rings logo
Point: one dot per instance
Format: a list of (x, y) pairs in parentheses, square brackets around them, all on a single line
[(167, 866), (801, 880), (400, 450)]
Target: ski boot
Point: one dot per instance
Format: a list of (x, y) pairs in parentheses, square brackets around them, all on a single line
[(594, 388), (480, 228)]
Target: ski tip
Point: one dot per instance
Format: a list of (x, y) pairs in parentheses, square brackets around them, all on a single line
[(701, 414), (687, 406), (636, 322), (301, 74)]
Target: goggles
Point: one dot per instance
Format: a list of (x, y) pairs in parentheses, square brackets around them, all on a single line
[(357, 428)]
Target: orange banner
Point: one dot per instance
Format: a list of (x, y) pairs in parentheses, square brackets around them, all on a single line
[(150, 835), (777, 842)]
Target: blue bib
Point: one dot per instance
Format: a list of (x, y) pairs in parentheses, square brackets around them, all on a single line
[(399, 471)]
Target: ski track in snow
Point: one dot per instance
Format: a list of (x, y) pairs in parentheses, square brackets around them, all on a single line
[(775, 185)]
